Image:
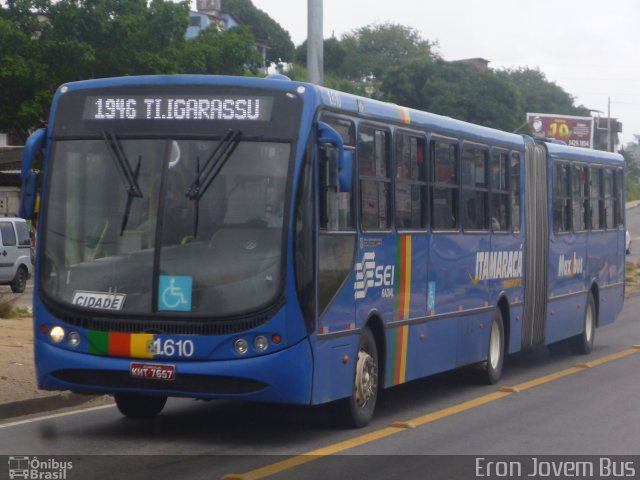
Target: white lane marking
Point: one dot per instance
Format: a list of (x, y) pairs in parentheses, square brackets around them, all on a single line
[(55, 415)]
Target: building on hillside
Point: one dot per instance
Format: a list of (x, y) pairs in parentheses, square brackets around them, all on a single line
[(605, 134), (481, 63), (209, 12), (10, 163)]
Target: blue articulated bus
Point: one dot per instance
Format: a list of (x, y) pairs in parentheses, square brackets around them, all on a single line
[(270, 240)]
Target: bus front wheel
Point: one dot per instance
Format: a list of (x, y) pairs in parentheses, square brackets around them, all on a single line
[(139, 406), (357, 410)]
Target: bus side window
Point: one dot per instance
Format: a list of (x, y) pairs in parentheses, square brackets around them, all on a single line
[(608, 199), (444, 190), (500, 191), (595, 190), (580, 195), (561, 197), (411, 182), (336, 206), (475, 188), (515, 192), (375, 180), (618, 198)]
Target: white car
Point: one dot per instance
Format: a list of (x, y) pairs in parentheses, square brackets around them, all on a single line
[(627, 242), (17, 256)]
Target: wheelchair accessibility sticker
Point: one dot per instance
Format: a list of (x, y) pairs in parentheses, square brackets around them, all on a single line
[(174, 293)]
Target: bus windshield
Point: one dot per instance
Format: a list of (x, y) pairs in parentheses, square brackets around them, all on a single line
[(140, 226)]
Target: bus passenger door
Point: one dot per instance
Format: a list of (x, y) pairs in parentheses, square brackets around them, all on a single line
[(336, 332)]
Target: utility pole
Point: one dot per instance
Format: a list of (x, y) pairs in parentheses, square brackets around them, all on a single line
[(315, 43), (609, 145)]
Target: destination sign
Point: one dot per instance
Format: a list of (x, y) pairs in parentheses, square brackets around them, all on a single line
[(177, 108)]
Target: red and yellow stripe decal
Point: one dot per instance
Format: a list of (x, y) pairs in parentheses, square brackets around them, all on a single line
[(405, 116), (400, 336), (399, 343), (403, 277), (112, 344)]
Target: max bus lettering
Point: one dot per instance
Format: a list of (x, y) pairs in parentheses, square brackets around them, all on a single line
[(568, 267)]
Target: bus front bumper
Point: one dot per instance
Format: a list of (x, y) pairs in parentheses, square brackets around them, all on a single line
[(283, 377)]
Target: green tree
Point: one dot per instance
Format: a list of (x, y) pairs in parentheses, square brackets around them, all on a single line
[(264, 29), (45, 43), (334, 54), (114, 37), (372, 50), (631, 153), (299, 73), (21, 74), (454, 89), (541, 95), (229, 52)]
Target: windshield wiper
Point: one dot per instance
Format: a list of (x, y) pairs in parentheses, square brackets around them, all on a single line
[(213, 165), (127, 175), (130, 197)]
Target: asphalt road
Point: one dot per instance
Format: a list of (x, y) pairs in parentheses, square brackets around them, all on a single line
[(588, 411)]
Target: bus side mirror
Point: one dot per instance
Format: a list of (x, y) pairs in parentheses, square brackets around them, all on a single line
[(345, 174), (29, 190), (327, 135)]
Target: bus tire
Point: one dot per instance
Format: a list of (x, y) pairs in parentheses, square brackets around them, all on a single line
[(357, 410), (583, 344), (492, 368), (133, 405)]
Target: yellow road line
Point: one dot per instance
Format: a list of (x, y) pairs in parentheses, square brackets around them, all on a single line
[(613, 356), (459, 408), (403, 426), (292, 462), (536, 382)]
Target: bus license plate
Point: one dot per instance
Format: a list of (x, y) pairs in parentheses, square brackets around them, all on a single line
[(153, 371)]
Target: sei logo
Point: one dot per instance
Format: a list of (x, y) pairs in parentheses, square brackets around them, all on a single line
[(370, 275)]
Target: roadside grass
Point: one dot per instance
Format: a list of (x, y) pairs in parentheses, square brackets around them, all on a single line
[(633, 277)]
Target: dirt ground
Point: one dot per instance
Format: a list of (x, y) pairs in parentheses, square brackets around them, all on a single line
[(17, 375)]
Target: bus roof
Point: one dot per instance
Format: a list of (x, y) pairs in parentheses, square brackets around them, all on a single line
[(559, 150), (438, 124), (324, 97), (367, 108)]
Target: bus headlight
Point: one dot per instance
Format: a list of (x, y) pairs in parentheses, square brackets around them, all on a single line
[(57, 334), (73, 339), (241, 346), (260, 343)]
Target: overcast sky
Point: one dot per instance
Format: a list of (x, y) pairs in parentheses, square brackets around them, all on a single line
[(590, 48)]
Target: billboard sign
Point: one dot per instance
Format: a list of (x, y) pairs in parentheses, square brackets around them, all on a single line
[(574, 131)]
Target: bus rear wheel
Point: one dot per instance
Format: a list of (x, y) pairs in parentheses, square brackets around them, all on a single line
[(139, 406), (357, 410), (491, 370), (583, 344)]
